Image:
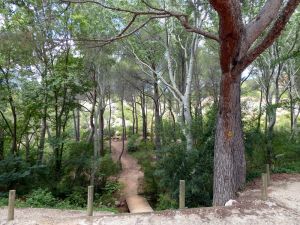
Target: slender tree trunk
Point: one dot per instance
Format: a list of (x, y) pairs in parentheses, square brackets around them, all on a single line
[(187, 124), (229, 156), (92, 115), (152, 128), (173, 120), (109, 122), (14, 146), (42, 136), (123, 129), (144, 118), (133, 118), (136, 117), (101, 131), (96, 147), (27, 148), (156, 111), (271, 118), (259, 110), (2, 138), (76, 117)]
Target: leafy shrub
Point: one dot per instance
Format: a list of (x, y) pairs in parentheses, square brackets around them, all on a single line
[(107, 197), (112, 132), (147, 146), (13, 170), (41, 198), (195, 166), (3, 201), (133, 143), (166, 202), (66, 204), (77, 197), (107, 168)]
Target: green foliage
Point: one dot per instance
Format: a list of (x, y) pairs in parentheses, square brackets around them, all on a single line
[(108, 196), (77, 197), (17, 173), (146, 158), (170, 132), (13, 170), (41, 198), (3, 201), (107, 168), (166, 202), (195, 166), (133, 143)]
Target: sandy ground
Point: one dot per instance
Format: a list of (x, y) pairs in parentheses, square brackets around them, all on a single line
[(28, 216), (130, 176)]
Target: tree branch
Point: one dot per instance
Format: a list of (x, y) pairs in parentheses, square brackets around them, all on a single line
[(267, 14), (273, 33), (231, 30)]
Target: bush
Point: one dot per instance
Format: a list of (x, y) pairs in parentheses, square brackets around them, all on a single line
[(13, 171), (166, 202), (3, 201), (77, 197), (41, 198), (133, 143), (195, 166), (107, 198)]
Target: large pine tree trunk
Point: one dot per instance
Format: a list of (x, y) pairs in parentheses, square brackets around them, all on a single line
[(229, 158)]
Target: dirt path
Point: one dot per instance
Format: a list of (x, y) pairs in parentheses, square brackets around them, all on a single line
[(131, 176)]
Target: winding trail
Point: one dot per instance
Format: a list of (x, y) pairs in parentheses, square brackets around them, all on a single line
[(130, 176)]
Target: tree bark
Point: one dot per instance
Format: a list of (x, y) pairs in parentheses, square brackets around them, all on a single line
[(133, 117), (123, 129), (157, 117), (144, 116), (229, 158), (101, 131), (76, 118), (27, 148), (109, 122), (92, 115), (136, 117), (42, 136), (2, 138), (187, 123)]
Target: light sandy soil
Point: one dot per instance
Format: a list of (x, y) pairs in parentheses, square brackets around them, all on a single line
[(28, 216), (130, 176)]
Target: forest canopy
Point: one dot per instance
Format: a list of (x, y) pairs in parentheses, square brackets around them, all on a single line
[(205, 91)]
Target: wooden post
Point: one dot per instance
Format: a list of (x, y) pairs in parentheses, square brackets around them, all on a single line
[(268, 174), (90, 200), (11, 204), (181, 194), (264, 194)]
